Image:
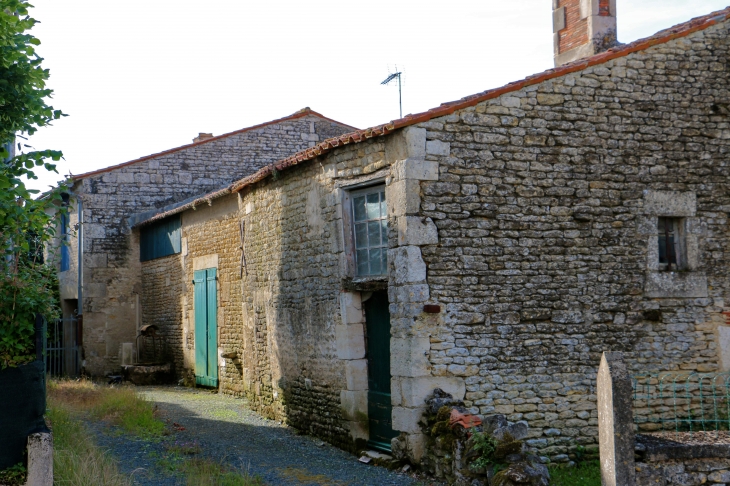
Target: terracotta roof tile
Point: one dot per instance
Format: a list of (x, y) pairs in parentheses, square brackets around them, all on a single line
[(678, 31)]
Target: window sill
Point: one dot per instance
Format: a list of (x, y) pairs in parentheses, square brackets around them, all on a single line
[(681, 284), (365, 284)]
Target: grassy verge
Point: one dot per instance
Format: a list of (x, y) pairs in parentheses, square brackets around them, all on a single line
[(118, 405), (76, 458), (78, 461), (585, 474)]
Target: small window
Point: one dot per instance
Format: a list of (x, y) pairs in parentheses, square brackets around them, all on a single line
[(671, 254), (370, 231), (160, 239)]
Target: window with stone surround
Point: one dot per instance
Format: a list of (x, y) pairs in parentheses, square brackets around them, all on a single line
[(370, 231), (671, 244)]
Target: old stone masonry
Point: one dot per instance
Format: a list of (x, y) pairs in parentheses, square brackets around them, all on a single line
[(492, 248)]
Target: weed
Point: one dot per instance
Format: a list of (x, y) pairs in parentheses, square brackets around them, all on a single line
[(485, 445), (224, 414), (205, 472), (184, 447), (76, 458), (13, 476), (126, 408), (584, 474)]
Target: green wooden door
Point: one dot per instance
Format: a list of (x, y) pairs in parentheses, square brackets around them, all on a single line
[(377, 318), (206, 329)]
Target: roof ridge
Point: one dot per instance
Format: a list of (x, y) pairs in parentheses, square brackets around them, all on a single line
[(675, 32), (680, 30), (298, 114)]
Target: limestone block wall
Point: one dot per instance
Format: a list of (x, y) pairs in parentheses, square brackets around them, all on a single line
[(527, 223), (112, 273), (546, 206)]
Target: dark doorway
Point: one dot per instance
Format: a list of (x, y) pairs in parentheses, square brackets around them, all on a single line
[(377, 316)]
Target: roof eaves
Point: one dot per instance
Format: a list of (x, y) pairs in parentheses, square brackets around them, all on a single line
[(299, 114), (184, 206), (448, 108)]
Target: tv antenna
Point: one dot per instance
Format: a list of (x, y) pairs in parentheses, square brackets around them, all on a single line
[(390, 78)]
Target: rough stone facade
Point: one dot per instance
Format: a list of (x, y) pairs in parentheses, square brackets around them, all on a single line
[(111, 270), (530, 219)]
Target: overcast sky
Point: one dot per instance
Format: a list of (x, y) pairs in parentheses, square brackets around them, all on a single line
[(141, 76)]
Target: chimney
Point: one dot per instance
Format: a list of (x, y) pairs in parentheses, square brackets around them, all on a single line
[(202, 136), (582, 28)]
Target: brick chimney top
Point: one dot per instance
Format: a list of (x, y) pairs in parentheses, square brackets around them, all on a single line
[(202, 136), (582, 28)]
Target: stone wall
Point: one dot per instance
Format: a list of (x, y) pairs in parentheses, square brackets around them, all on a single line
[(111, 253), (527, 223), (546, 209), (287, 316)]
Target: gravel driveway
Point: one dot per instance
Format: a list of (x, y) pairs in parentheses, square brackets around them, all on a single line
[(229, 432)]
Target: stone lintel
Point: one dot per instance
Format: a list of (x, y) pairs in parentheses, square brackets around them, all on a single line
[(206, 261), (670, 203)]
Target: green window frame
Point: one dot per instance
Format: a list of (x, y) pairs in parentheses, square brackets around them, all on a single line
[(370, 231), (160, 239)]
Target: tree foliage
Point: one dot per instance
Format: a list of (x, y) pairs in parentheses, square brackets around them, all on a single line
[(27, 286)]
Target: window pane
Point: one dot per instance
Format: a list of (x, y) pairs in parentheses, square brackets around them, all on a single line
[(362, 262), (361, 236), (383, 209), (384, 232), (384, 261), (375, 255), (374, 233), (373, 205), (359, 206)]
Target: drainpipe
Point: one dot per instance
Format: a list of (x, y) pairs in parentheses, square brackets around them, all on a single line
[(80, 282)]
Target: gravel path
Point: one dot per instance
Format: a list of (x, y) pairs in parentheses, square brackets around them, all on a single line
[(228, 431)]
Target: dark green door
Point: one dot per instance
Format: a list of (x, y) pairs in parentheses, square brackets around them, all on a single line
[(206, 328), (377, 318)]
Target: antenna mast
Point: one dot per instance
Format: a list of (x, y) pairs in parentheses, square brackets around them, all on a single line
[(390, 78)]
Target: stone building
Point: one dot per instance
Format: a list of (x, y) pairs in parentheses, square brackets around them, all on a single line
[(492, 247), (107, 199)]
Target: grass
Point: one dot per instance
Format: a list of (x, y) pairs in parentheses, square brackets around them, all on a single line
[(121, 406), (76, 458), (206, 472), (584, 474), (78, 461)]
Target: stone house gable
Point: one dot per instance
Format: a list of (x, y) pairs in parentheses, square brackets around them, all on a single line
[(523, 240), (111, 271)]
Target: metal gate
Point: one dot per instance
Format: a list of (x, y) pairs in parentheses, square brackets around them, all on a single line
[(62, 351)]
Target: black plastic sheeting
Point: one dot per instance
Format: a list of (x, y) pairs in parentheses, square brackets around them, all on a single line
[(22, 405)]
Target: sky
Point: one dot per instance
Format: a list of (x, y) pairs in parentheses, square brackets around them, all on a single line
[(142, 76)]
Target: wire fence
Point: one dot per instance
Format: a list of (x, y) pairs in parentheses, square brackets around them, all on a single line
[(681, 402)]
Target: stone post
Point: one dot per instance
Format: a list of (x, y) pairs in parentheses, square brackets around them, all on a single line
[(40, 460), (615, 421)]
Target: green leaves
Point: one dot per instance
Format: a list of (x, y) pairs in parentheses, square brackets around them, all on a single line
[(27, 286)]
